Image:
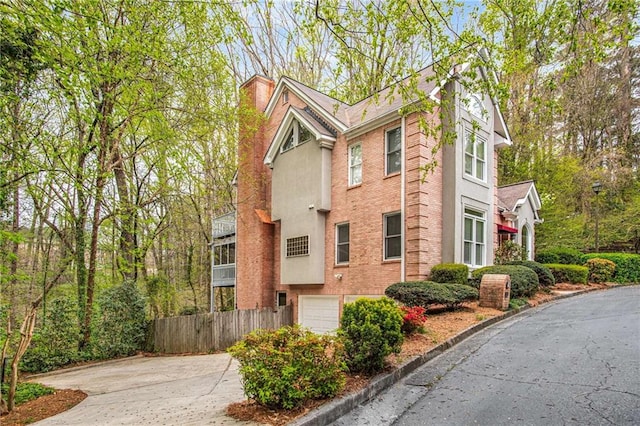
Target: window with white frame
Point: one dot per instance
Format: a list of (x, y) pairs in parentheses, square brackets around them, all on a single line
[(297, 136), (393, 149), (475, 155), (298, 246), (392, 236), (526, 240), (355, 164), (474, 237), (473, 103), (342, 243)]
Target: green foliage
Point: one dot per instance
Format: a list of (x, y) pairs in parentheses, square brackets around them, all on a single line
[(121, 324), (26, 391), (517, 303), (524, 281), (574, 274), (449, 273), (627, 266), (562, 255), (286, 367), (427, 293), (509, 251), (161, 296), (371, 330), (545, 277), (600, 270), (55, 344)]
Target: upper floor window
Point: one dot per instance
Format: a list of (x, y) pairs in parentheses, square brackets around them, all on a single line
[(355, 164), (392, 236), (297, 136), (297, 246), (475, 155), (475, 106), (474, 237), (342, 243), (224, 254), (393, 148)]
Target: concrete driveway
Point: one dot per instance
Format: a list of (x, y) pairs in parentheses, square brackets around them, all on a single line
[(180, 390)]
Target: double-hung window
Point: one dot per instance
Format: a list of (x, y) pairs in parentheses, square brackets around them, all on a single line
[(355, 164), (474, 237), (475, 155), (392, 236), (342, 243), (393, 149)]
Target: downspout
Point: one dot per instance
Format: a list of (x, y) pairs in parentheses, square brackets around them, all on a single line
[(402, 199)]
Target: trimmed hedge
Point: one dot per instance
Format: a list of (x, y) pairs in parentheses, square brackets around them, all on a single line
[(562, 255), (574, 274), (600, 270), (427, 293), (627, 266), (524, 281), (450, 273), (545, 277)]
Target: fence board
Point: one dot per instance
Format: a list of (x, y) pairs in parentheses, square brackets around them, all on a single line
[(215, 331)]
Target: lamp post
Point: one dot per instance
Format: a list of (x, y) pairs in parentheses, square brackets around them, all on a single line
[(597, 187)]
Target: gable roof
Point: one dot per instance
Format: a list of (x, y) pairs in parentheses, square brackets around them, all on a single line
[(510, 197)]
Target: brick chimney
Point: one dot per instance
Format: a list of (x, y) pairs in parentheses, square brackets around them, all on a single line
[(255, 231)]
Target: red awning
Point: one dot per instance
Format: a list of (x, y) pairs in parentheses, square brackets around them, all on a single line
[(507, 229)]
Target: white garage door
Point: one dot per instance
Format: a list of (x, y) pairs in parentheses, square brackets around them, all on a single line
[(319, 313)]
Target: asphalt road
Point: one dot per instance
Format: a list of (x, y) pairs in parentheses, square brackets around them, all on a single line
[(571, 362)]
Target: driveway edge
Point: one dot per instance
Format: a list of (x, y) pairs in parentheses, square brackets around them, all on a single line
[(337, 408)]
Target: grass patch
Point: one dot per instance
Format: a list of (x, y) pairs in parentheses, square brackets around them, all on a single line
[(517, 303)]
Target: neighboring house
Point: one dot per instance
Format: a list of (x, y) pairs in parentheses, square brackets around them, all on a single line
[(333, 202), (518, 206)]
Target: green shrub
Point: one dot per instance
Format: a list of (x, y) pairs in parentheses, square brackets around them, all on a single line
[(508, 251), (26, 391), (627, 266), (427, 293), (450, 273), (600, 270), (371, 330), (286, 367), (524, 281), (54, 344), (562, 255), (574, 274), (121, 324), (545, 277)]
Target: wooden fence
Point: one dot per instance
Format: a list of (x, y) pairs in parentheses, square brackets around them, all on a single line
[(213, 332)]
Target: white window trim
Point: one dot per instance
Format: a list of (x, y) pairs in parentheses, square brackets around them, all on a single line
[(386, 151), (473, 241), (337, 261), (351, 167), (476, 99), (385, 236), (295, 128), (468, 133)]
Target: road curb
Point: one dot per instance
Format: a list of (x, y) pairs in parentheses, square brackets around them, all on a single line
[(337, 408)]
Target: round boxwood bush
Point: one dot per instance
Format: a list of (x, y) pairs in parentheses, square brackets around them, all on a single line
[(450, 273), (545, 277), (371, 330), (427, 293), (600, 270), (524, 281), (286, 367)]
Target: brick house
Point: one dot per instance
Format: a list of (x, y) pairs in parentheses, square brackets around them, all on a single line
[(333, 202)]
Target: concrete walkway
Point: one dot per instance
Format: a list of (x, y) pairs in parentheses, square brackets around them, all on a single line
[(180, 390)]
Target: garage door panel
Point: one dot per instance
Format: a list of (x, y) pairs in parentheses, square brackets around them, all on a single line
[(319, 313)]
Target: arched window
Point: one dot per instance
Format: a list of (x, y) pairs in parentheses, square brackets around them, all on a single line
[(526, 240)]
